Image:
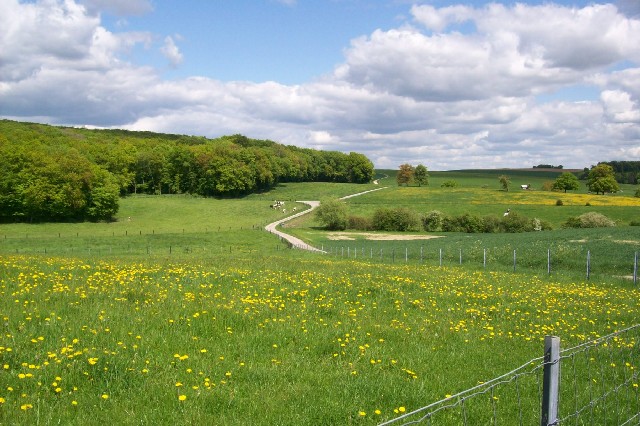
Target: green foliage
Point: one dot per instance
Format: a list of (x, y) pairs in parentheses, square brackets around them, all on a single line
[(359, 223), (566, 181), (559, 202), (432, 221), (504, 182), (589, 220), (333, 214), (449, 184), (637, 194), (56, 173), (464, 223), (421, 175), (42, 183), (359, 168), (601, 179), (397, 219), (514, 222)]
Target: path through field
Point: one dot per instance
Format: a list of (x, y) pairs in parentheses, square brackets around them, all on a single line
[(297, 242)]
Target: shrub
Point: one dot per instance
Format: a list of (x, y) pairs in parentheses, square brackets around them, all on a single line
[(491, 224), (589, 220), (559, 202), (637, 193), (634, 223), (516, 223), (465, 223), (399, 219), (548, 185), (333, 214), (449, 184), (359, 223), (432, 221)]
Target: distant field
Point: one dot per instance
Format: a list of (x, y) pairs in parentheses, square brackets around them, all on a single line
[(185, 311)]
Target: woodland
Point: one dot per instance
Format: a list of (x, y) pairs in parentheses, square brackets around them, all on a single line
[(50, 173)]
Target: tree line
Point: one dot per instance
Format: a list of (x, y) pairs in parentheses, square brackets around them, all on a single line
[(61, 173)]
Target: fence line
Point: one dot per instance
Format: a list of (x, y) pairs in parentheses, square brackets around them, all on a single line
[(595, 382), (419, 257)]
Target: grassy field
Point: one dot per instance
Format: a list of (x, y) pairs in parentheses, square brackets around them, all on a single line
[(185, 311)]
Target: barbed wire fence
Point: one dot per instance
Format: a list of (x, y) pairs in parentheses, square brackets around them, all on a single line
[(594, 383)]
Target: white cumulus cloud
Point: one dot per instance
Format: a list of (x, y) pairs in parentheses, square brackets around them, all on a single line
[(452, 87)]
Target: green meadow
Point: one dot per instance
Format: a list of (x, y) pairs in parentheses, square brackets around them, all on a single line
[(186, 311)]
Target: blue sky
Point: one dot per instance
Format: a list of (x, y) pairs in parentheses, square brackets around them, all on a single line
[(447, 84)]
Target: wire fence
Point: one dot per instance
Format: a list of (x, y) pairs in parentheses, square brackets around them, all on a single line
[(594, 383)]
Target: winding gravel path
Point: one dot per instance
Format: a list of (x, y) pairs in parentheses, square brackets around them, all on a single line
[(297, 242)]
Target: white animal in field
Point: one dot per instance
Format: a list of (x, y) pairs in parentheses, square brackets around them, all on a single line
[(507, 212)]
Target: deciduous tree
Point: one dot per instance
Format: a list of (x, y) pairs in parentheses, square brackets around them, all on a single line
[(602, 179), (421, 175), (405, 174), (566, 181)]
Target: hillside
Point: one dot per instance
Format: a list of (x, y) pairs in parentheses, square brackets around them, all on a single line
[(60, 173)]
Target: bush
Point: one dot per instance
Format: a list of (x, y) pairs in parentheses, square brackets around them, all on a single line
[(359, 223), (465, 223), (333, 215), (399, 219), (559, 202), (432, 221), (634, 223), (547, 185), (637, 193), (589, 220), (516, 223), (491, 224), (449, 184)]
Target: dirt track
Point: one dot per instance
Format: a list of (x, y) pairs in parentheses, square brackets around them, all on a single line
[(297, 242)]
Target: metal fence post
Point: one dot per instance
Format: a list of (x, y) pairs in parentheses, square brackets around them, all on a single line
[(550, 381), (484, 258)]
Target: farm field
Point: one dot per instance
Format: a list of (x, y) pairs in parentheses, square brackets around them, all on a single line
[(185, 311)]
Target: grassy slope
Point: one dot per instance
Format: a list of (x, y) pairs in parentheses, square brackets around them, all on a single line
[(315, 339)]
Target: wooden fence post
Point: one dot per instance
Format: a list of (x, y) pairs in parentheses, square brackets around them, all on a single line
[(550, 381), (588, 263)]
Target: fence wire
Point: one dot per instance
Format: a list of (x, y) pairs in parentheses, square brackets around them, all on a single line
[(598, 386)]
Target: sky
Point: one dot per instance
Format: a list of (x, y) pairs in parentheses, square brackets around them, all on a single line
[(447, 84)]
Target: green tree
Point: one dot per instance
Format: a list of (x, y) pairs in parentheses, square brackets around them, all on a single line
[(601, 179), (333, 214), (421, 175), (566, 181), (504, 182), (405, 174), (360, 168)]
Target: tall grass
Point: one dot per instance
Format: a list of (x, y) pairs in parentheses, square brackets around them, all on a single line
[(185, 311), (310, 342)]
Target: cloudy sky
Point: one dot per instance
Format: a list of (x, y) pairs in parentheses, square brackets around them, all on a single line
[(450, 85)]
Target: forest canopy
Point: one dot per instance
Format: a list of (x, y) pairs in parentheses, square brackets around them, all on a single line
[(62, 173)]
